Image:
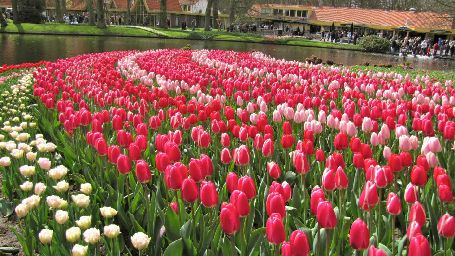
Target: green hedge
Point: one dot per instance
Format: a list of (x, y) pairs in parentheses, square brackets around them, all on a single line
[(375, 44)]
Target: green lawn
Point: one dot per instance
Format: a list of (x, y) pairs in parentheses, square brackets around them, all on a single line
[(435, 74), (198, 34), (75, 29)]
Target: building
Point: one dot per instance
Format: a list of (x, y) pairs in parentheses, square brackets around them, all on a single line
[(365, 21), (143, 12)]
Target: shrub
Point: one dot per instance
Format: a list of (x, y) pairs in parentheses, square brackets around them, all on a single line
[(375, 44)]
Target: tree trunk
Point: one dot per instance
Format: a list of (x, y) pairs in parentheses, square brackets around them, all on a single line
[(215, 13), (100, 23), (58, 11), (91, 13), (15, 14), (232, 12), (163, 13), (3, 22), (128, 12), (208, 15)]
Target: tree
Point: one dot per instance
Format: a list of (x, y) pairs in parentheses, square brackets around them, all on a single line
[(163, 13), (3, 22), (128, 12), (232, 11), (59, 11), (215, 13), (15, 14), (91, 13), (101, 22), (208, 12)]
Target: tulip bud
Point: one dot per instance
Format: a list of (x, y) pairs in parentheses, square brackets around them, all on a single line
[(140, 241), (299, 243), (229, 219), (446, 226), (369, 196), (143, 173), (108, 212), (275, 232), (325, 215), (246, 185), (123, 164), (393, 204), (240, 201), (359, 235), (209, 195), (91, 235), (231, 181), (419, 245), (417, 213), (73, 234), (45, 236), (79, 250), (189, 190), (273, 169), (111, 231), (410, 194)]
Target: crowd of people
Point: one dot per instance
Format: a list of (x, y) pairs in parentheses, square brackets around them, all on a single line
[(422, 46)]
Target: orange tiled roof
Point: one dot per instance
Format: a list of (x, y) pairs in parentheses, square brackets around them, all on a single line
[(172, 5), (121, 4), (368, 17), (384, 18), (5, 3)]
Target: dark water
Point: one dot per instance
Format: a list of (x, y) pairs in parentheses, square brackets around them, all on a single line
[(31, 48)]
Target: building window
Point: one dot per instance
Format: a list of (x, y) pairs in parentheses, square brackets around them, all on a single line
[(266, 11), (278, 12), (292, 13), (286, 13), (186, 8)]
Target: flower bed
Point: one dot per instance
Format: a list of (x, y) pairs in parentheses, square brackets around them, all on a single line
[(178, 152)]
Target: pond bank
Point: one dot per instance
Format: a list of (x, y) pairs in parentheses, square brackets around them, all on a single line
[(149, 32)]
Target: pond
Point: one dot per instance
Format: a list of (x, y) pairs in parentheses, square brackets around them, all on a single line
[(32, 48)]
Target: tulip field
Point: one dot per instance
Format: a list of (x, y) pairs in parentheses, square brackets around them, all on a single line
[(198, 152)]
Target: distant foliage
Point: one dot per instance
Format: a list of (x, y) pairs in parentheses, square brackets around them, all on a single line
[(375, 44)]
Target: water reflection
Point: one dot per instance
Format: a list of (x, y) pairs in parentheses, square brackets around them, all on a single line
[(31, 48)]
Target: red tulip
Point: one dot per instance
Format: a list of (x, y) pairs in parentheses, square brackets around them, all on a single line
[(356, 145), (419, 176), (241, 156), (134, 152), (225, 140), (393, 204), (207, 165), (229, 219), (287, 141), (406, 159), (162, 161), (231, 181), (446, 226), (325, 215), (172, 150), (240, 201), (299, 243), (273, 169), (268, 148), (123, 164), (275, 204), (341, 179), (445, 193), (225, 156), (113, 153), (328, 180), (422, 161), (320, 157), (317, 196), (174, 206), (174, 175), (369, 196), (300, 162), (410, 194), (286, 249), (417, 213), (143, 173), (275, 232), (373, 251), (394, 162), (284, 189), (246, 184), (341, 141), (190, 191), (209, 195), (358, 161), (204, 140), (359, 235), (419, 246), (413, 229), (195, 169), (141, 142), (101, 146)]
